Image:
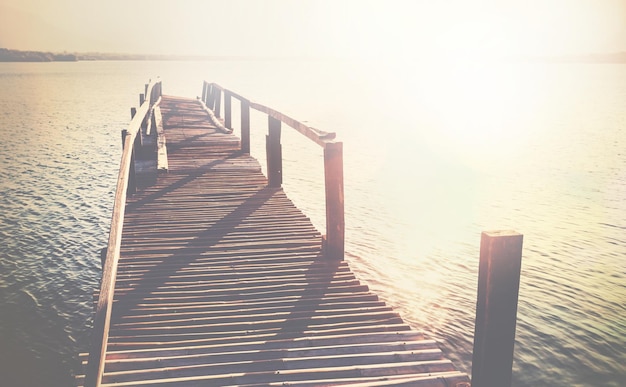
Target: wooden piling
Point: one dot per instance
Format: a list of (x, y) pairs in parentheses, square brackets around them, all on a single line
[(217, 100), (335, 222), (274, 154), (209, 96), (245, 126), (156, 92), (227, 110), (496, 308), (103, 257)]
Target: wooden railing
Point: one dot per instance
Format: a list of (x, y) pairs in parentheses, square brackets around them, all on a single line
[(126, 184), (212, 95), (500, 254)]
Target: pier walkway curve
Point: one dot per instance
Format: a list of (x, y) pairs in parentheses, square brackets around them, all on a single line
[(223, 281)]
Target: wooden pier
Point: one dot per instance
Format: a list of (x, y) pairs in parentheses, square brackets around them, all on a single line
[(212, 277)]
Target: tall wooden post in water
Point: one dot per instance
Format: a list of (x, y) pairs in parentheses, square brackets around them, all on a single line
[(227, 110), (334, 242), (274, 154), (496, 308), (245, 126), (217, 107)]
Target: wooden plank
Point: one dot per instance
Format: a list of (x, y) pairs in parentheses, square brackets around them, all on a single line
[(255, 350), (302, 342), (222, 280), (271, 361), (232, 375), (199, 338)]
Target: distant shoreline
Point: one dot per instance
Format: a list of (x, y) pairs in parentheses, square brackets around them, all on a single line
[(10, 55), (7, 55)]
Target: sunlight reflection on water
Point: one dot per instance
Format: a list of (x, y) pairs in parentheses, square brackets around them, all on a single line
[(433, 156)]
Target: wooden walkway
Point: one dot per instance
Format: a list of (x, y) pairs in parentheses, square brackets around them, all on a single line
[(221, 281)]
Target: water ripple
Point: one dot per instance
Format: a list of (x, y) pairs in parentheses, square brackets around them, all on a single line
[(413, 214)]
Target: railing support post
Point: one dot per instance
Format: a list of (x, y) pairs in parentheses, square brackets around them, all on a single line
[(217, 101), (227, 110), (153, 94), (496, 308), (204, 87), (274, 154), (103, 257), (210, 97), (334, 241), (245, 126)]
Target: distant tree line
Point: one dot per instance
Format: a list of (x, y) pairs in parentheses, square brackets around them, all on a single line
[(7, 55)]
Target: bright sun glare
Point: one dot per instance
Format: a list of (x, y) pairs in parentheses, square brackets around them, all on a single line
[(475, 104), (463, 29), (477, 97)]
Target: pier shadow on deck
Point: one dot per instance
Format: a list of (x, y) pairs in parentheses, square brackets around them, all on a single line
[(222, 281)]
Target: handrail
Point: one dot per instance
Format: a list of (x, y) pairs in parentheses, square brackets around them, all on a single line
[(333, 155), (125, 184), (320, 137)]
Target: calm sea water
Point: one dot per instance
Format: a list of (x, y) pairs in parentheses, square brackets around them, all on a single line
[(434, 154)]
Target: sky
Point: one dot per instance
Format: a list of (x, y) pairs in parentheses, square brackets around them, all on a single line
[(354, 28)]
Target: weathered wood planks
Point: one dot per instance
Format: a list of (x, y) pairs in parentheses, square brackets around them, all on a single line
[(221, 280)]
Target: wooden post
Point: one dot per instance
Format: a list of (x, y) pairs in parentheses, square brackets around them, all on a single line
[(145, 92), (227, 110), (124, 134), (245, 126), (141, 99), (218, 102), (153, 94), (274, 154), (204, 86), (133, 112), (334, 241), (143, 128), (103, 257), (496, 308), (209, 96)]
